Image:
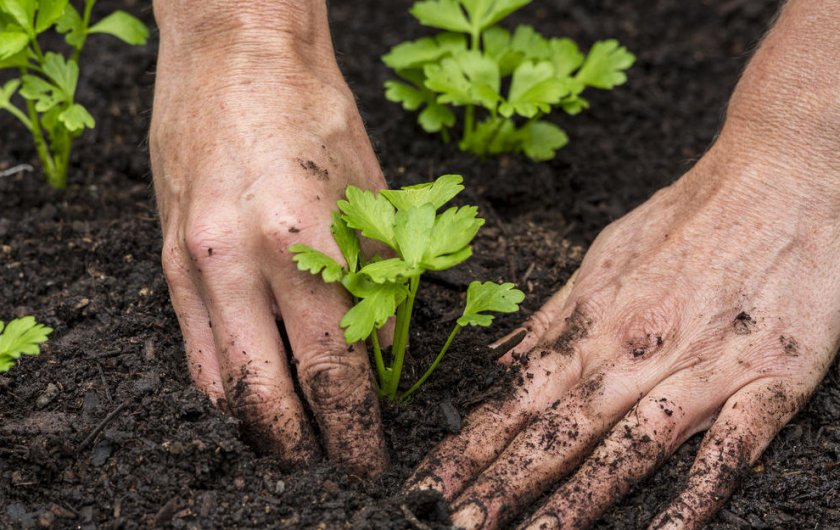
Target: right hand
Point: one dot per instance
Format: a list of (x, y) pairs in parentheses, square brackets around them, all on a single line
[(254, 137)]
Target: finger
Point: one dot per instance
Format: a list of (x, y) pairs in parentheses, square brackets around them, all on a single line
[(745, 427), (538, 324), (258, 385), (488, 430), (334, 376), (548, 449), (194, 321), (634, 448)]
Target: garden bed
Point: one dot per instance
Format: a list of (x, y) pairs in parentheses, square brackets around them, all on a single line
[(104, 431)]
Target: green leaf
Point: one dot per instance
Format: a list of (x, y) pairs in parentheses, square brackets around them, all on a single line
[(493, 135), (18, 60), (485, 13), (7, 91), (11, 43), (76, 118), (529, 43), (48, 12), (20, 337), (533, 89), (435, 118), (441, 263), (64, 73), (415, 54), (466, 78), (453, 230), (565, 56), (72, 24), (497, 47), (541, 139), (605, 65), (347, 241), (43, 93), (22, 11), (412, 230), (123, 26), (389, 270), (411, 98), (489, 296), (372, 214), (436, 193), (316, 262), (442, 14), (372, 311)]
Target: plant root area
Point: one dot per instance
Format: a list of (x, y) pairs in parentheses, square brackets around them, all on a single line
[(103, 430)]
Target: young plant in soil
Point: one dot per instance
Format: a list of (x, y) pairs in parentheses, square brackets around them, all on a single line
[(47, 79), (408, 222), (516, 78), (20, 337)]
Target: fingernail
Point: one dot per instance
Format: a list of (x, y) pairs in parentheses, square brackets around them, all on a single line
[(426, 483), (543, 522), (509, 341), (470, 516)]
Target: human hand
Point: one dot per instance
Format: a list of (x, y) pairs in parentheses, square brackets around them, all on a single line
[(254, 137), (713, 306)]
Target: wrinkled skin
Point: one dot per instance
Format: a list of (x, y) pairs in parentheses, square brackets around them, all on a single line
[(714, 306), (254, 137)]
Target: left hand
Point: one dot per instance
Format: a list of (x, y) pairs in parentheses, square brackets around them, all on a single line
[(715, 304)]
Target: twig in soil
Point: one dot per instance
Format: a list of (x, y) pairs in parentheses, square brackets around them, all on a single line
[(20, 168), (411, 518), (98, 429), (104, 382), (528, 272)]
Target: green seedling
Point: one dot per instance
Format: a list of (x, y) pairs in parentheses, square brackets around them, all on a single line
[(20, 337), (47, 79), (517, 78), (408, 222)]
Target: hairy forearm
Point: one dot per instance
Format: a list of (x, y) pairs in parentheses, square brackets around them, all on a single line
[(788, 100)]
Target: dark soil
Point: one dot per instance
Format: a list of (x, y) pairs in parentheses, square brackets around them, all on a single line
[(104, 431)]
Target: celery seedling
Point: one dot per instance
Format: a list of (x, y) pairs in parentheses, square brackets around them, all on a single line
[(408, 222), (518, 78), (47, 80), (20, 337)]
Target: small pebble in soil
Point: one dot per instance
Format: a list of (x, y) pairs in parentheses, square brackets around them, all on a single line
[(46, 397), (451, 417)]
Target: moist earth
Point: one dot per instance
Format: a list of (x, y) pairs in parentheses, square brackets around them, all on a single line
[(103, 430)]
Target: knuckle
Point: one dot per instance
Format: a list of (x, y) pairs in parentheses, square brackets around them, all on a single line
[(172, 261), (332, 377), (643, 331), (203, 236), (254, 399)]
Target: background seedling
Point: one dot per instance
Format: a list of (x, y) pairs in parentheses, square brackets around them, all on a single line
[(47, 80), (20, 337), (408, 222), (517, 78)]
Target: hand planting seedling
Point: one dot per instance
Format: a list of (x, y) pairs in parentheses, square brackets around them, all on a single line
[(20, 337), (474, 62), (47, 81), (408, 222)]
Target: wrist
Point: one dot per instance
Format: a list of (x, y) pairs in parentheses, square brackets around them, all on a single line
[(249, 35)]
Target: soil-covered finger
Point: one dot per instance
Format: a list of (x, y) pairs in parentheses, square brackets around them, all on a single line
[(194, 321), (635, 447), (335, 376), (743, 429), (549, 448)]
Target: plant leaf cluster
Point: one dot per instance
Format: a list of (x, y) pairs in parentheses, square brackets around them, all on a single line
[(518, 78), (20, 337), (47, 80), (420, 237)]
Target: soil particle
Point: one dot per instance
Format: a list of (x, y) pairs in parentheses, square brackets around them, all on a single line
[(743, 323), (577, 328), (314, 169), (790, 345)]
